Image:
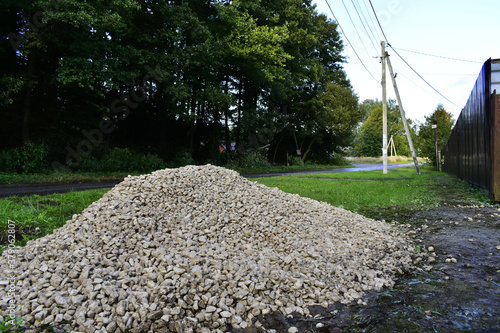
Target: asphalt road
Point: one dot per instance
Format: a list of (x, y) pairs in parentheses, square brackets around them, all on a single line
[(357, 167), (7, 190)]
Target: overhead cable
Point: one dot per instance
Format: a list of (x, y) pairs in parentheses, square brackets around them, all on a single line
[(356, 29), (420, 76), (371, 20), (356, 53), (438, 56), (380, 25), (364, 27)]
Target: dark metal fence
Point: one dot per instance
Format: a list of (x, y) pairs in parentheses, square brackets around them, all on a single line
[(472, 147)]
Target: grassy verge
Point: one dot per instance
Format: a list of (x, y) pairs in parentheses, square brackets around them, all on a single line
[(36, 216), (376, 195), (370, 193)]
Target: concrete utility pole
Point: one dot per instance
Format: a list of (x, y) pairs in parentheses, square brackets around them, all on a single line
[(403, 116), (384, 113)]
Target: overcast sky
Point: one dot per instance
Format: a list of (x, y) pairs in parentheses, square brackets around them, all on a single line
[(463, 29)]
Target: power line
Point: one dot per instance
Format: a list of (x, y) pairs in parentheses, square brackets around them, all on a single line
[(380, 25), (450, 74), (356, 53), (357, 32), (420, 76), (364, 27), (438, 56), (376, 31)]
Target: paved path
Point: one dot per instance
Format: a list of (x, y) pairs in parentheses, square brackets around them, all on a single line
[(7, 190), (357, 167)]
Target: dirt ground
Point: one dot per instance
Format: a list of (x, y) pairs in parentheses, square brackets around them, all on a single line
[(456, 290)]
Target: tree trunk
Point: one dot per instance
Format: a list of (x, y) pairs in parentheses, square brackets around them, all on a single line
[(238, 122), (276, 149), (192, 124), (308, 150), (27, 99), (226, 119), (27, 114)]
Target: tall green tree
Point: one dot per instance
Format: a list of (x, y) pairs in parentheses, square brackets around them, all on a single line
[(332, 128), (174, 76), (369, 139), (426, 139)]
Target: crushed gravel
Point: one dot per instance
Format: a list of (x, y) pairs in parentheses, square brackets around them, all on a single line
[(200, 249)]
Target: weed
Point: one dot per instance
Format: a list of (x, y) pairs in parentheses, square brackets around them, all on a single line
[(9, 325)]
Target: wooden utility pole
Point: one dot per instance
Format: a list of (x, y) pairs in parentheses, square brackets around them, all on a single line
[(384, 112), (403, 116)]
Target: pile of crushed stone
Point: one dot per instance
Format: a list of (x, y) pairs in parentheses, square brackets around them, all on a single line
[(200, 248)]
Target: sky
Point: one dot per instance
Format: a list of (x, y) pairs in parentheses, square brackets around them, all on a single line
[(463, 29)]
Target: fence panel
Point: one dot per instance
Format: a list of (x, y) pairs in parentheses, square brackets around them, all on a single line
[(470, 151)]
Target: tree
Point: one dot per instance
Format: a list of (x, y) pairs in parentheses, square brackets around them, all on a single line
[(426, 139), (332, 128), (255, 72), (369, 138)]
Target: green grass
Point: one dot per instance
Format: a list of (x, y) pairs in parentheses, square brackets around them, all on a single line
[(36, 216), (371, 192), (367, 192)]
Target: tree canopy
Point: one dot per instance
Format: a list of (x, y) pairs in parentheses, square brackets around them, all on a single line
[(369, 139), (426, 138), (173, 77)]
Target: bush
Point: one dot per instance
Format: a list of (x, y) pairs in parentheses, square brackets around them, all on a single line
[(183, 158), (295, 160), (253, 160), (29, 158), (338, 159), (122, 160)]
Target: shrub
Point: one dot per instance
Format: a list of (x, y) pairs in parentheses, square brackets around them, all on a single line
[(338, 159), (183, 158), (29, 158), (253, 160), (295, 160), (122, 160)]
